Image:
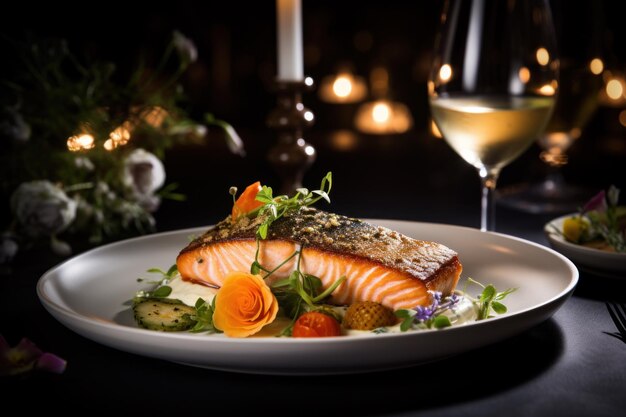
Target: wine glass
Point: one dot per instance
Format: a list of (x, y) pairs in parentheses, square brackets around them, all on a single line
[(579, 37), (493, 83)]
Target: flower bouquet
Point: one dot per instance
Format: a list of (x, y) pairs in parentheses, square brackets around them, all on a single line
[(82, 152)]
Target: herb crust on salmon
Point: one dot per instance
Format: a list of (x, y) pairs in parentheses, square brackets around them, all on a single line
[(379, 264)]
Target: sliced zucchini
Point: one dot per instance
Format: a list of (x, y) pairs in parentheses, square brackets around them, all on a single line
[(164, 314)]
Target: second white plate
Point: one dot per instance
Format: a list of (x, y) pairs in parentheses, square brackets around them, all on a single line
[(596, 261), (90, 293)]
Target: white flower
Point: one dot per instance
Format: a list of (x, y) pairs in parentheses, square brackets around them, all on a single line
[(185, 48), (143, 174), (8, 248), (103, 190), (84, 163), (13, 126), (42, 208)]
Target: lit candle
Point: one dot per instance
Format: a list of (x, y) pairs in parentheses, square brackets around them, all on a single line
[(289, 18)]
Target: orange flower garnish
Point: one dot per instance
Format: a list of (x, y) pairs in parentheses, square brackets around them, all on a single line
[(244, 304), (246, 201)]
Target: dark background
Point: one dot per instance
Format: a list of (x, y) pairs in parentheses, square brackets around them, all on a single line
[(237, 65)]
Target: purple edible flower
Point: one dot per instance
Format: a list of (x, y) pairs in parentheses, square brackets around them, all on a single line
[(25, 357), (450, 302), (426, 313), (597, 203), (423, 313)]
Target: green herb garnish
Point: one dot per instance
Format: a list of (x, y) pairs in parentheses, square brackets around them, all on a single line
[(165, 275), (204, 317), (299, 292), (407, 317), (162, 290), (489, 300), (275, 207)]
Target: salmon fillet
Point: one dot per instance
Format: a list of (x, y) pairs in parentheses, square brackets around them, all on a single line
[(379, 264)]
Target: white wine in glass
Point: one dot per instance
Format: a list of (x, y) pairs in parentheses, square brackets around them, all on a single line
[(493, 83), (491, 131)]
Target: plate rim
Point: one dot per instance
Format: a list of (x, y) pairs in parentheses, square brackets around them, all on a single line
[(60, 309)]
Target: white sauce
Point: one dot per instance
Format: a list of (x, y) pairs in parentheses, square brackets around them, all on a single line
[(464, 312), (188, 292)]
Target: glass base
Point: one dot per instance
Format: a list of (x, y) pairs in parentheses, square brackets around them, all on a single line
[(547, 197)]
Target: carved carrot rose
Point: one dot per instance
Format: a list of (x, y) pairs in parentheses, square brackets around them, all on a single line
[(244, 304)]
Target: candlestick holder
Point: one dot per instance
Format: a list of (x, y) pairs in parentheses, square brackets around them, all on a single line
[(291, 155)]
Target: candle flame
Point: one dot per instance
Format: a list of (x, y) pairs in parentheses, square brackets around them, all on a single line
[(524, 75), (614, 89), (547, 89), (445, 73), (381, 113), (596, 66), (342, 86), (543, 56), (383, 117)]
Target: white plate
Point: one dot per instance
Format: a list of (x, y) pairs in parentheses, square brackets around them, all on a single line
[(88, 294), (596, 261)]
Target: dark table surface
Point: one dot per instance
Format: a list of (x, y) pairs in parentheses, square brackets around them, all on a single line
[(568, 365)]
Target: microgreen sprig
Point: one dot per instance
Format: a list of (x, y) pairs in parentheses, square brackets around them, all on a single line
[(308, 287), (233, 192), (166, 276), (489, 300), (162, 290), (300, 292), (204, 317), (256, 266), (275, 207)]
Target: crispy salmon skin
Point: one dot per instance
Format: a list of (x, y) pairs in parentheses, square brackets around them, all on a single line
[(379, 264)]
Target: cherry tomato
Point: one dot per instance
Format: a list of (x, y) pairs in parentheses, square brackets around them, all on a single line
[(246, 201), (313, 324)]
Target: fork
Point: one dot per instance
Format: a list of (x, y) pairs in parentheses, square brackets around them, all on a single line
[(617, 311)]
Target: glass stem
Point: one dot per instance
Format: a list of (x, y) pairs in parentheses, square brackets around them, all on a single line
[(488, 179)]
